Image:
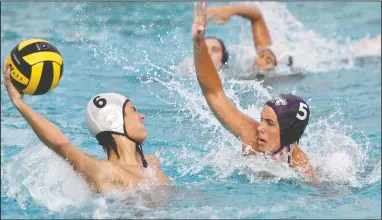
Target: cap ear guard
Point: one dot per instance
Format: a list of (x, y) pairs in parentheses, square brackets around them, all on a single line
[(110, 118)]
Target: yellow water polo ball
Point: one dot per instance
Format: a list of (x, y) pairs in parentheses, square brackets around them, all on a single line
[(36, 66)]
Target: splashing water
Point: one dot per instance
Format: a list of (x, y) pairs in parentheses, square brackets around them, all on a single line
[(312, 52), (204, 161), (335, 155), (34, 172)]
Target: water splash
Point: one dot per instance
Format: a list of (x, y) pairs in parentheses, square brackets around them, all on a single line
[(39, 175), (312, 52), (33, 173), (327, 140)]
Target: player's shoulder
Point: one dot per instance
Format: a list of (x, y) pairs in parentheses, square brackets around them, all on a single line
[(152, 160), (299, 157)]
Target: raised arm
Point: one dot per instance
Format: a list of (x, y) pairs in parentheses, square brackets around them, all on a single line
[(228, 115), (51, 136), (260, 31)]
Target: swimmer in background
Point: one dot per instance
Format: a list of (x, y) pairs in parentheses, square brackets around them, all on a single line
[(283, 119), (118, 127), (269, 55), (218, 52)]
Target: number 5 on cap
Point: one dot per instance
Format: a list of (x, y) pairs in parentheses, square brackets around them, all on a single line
[(302, 109)]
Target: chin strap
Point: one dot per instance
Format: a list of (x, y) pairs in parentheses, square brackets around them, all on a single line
[(289, 153), (278, 150), (138, 144), (140, 151)]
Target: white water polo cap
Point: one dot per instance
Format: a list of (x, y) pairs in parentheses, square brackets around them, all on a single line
[(104, 112), (105, 116), (283, 57)]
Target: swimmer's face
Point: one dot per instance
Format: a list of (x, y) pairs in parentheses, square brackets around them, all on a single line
[(215, 50), (264, 60), (134, 123), (269, 131)]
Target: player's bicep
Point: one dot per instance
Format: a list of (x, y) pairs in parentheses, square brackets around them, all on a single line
[(84, 164)]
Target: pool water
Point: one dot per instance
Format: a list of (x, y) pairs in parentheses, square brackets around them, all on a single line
[(134, 48)]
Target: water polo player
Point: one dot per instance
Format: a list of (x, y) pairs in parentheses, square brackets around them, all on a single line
[(217, 51), (118, 127), (269, 55), (283, 120)]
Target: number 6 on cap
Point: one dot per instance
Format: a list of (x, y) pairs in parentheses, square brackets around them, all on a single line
[(99, 102)]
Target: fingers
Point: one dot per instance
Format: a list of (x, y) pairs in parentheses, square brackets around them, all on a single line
[(210, 9), (214, 20), (197, 21), (7, 73), (6, 77), (212, 13), (5, 63), (6, 68), (195, 9), (222, 21), (210, 19), (199, 24), (203, 8)]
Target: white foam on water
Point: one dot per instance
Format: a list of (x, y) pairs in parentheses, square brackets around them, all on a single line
[(312, 52), (327, 141), (39, 173)]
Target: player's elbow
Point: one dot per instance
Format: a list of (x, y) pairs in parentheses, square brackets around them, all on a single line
[(58, 144), (214, 95)]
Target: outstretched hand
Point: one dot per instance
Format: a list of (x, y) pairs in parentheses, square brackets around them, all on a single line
[(219, 15), (13, 93), (199, 24)]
